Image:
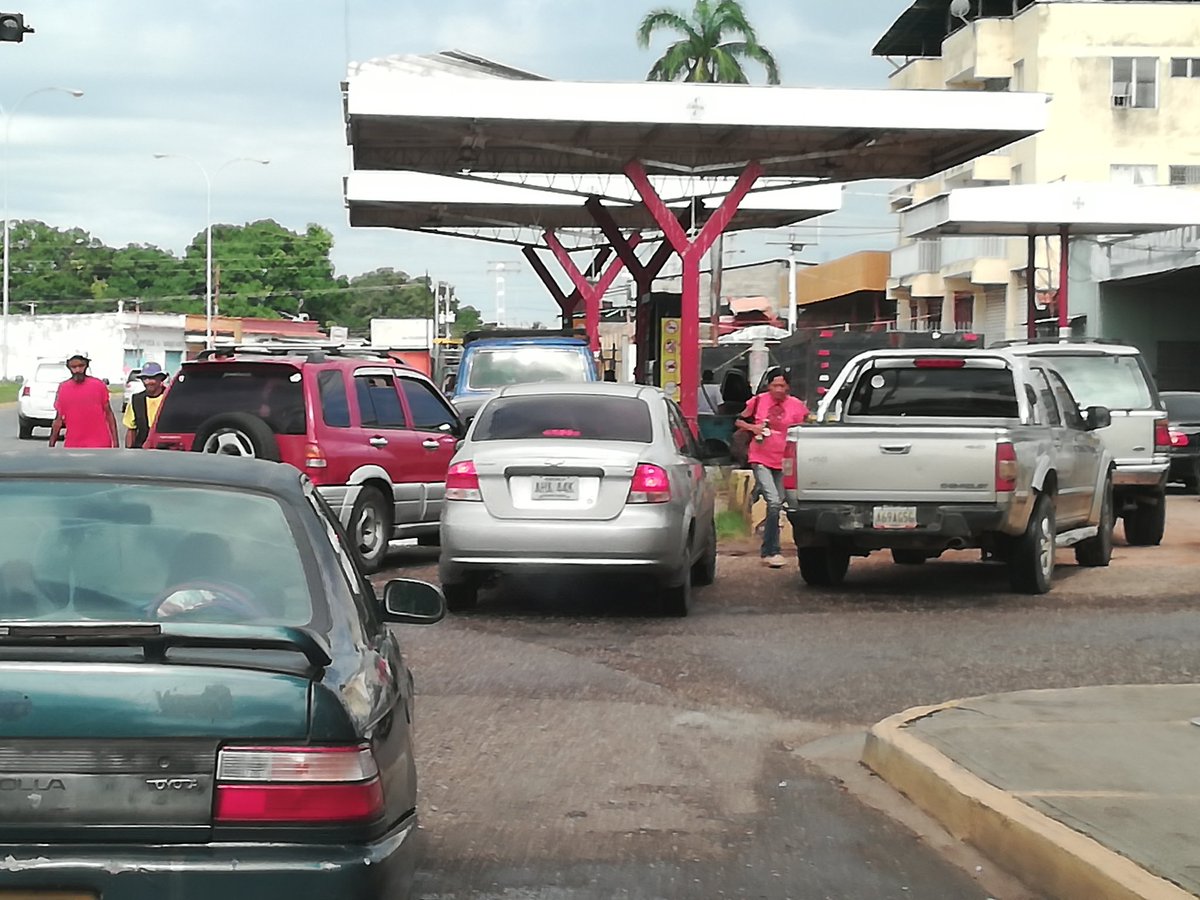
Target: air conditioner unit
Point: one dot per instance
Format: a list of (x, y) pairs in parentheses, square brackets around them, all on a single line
[(1121, 96)]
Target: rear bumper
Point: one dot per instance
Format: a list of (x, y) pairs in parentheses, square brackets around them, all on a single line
[(640, 540), (35, 412), (1143, 474), (815, 524), (379, 871)]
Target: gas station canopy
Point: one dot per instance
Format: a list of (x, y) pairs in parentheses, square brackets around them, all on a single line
[(1046, 209), (508, 211), (400, 119)]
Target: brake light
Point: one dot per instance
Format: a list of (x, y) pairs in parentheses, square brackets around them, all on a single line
[(308, 785), (650, 484), (314, 458), (1162, 435), (462, 482), (25, 392), (939, 362), (1006, 467), (1178, 439)]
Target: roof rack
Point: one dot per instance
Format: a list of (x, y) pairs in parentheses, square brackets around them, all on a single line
[(271, 349), (1011, 342)]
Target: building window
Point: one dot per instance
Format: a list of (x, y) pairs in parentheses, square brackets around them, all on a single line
[(1185, 175), (1018, 75), (1135, 82), (1185, 67), (1140, 175)]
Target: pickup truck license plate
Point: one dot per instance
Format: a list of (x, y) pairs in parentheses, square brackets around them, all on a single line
[(894, 517), (555, 487)]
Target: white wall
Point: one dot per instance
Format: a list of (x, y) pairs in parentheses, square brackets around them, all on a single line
[(104, 337)]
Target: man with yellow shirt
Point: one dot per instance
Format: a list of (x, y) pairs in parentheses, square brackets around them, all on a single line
[(143, 406)]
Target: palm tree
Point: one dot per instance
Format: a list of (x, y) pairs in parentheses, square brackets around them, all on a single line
[(701, 54)]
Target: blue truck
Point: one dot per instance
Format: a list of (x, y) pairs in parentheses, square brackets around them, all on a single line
[(494, 359)]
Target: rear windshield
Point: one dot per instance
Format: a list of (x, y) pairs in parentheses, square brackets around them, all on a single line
[(494, 368), (576, 416), (1183, 407), (50, 372), (955, 393), (130, 552), (272, 392), (1116, 382)]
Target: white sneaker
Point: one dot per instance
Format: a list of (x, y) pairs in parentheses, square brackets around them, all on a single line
[(774, 562)]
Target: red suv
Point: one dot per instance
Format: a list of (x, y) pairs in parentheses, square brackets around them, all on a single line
[(374, 435)]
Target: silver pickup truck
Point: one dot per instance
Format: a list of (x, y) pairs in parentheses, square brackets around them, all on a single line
[(923, 451)]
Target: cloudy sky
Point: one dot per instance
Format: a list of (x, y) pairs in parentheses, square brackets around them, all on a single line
[(220, 79)]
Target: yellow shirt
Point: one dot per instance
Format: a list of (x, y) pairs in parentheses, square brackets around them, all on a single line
[(152, 405)]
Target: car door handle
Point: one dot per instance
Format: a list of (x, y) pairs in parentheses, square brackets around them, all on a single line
[(431, 444), (377, 441), (895, 448)]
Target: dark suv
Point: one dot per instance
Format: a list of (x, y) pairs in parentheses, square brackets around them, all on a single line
[(374, 435)]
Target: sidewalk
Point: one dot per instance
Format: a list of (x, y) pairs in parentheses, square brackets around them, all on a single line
[(1083, 793)]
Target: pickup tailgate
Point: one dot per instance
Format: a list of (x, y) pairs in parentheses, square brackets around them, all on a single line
[(914, 465)]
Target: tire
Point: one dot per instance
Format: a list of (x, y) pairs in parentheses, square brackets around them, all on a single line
[(1191, 481), (823, 566), (237, 434), (704, 570), (908, 557), (676, 600), (1144, 526), (461, 596), (1031, 564), (24, 427), (1097, 551), (370, 528)]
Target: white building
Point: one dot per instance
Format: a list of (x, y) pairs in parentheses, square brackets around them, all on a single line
[(115, 342), (1124, 82)]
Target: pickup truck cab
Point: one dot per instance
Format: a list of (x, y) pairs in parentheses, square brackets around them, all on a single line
[(923, 451), (491, 363)]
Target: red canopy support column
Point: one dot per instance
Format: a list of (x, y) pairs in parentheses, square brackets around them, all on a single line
[(1064, 265), (568, 303), (590, 292), (690, 254)]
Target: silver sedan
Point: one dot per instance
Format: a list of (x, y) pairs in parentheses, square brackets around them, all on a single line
[(579, 478)]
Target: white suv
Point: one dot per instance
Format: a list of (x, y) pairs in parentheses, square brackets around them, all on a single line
[(35, 400), (1114, 375)]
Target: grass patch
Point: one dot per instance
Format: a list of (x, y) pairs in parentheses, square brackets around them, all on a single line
[(731, 524), (8, 391)]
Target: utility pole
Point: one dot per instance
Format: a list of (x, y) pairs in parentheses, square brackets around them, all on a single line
[(500, 270), (794, 247)]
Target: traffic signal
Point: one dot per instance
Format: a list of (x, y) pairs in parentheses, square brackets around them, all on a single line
[(13, 27)]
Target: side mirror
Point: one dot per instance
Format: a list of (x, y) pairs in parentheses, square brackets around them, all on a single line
[(1097, 417), (412, 602)]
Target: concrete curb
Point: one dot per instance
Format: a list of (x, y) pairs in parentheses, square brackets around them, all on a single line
[(1047, 855)]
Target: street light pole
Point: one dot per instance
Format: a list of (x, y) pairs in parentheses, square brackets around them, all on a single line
[(8, 117), (208, 261)]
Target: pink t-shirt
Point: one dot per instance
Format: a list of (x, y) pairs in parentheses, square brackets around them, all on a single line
[(780, 415), (82, 407)]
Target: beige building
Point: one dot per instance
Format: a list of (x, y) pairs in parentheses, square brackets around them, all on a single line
[(1123, 80)]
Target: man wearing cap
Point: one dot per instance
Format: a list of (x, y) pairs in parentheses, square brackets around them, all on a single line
[(142, 411), (82, 405)]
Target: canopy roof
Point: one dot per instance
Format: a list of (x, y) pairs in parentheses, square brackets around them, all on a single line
[(401, 117), (507, 210), (1044, 209)]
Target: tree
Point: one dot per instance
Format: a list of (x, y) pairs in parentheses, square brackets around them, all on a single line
[(466, 319), (702, 54)]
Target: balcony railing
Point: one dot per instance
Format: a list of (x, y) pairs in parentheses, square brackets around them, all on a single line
[(918, 258)]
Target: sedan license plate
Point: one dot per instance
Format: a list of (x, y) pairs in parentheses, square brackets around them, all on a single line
[(894, 517), (555, 487)]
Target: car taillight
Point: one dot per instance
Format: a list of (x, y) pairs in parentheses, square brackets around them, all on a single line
[(1006, 467), (314, 458), (1178, 438), (462, 482), (939, 362), (650, 484), (298, 785), (25, 391), (1162, 436)]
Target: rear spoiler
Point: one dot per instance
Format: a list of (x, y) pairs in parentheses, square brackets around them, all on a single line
[(155, 641)]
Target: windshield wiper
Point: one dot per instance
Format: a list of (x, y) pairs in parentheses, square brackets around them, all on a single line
[(155, 641)]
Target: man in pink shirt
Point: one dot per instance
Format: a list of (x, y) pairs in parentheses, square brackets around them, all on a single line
[(768, 416), (82, 405)]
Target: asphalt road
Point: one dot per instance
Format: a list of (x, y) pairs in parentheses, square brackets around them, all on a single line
[(573, 747)]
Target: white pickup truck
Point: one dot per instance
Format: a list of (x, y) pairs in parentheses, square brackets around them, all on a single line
[(923, 451)]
